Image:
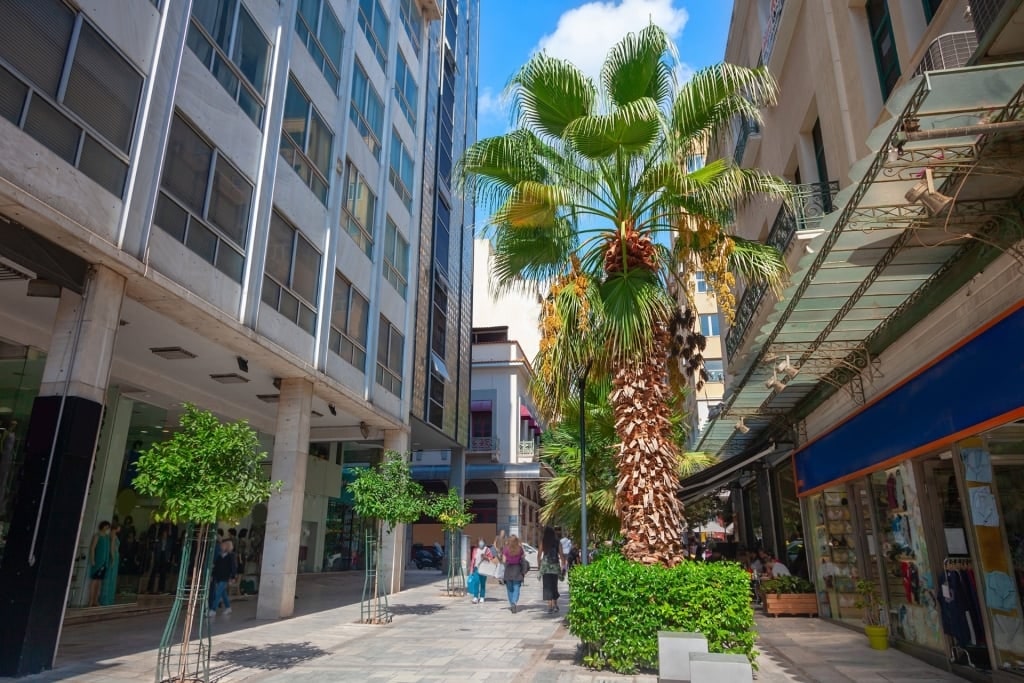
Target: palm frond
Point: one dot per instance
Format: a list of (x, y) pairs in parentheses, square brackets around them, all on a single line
[(710, 102), (692, 462), (491, 168), (524, 258), (637, 67), (548, 94), (757, 262), (631, 128), (634, 302)]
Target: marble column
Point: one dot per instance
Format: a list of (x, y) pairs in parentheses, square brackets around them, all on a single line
[(284, 511), (60, 443), (393, 547)]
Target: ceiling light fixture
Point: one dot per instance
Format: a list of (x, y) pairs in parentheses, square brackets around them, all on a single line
[(364, 429), (172, 352), (229, 378), (331, 407), (925, 194), (741, 427), (787, 368), (774, 383), (243, 364), (269, 398)]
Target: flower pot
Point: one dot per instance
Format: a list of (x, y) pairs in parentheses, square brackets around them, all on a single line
[(791, 603), (878, 637)]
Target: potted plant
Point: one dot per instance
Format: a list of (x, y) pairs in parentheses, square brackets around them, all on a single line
[(869, 600), (208, 471), (789, 595)]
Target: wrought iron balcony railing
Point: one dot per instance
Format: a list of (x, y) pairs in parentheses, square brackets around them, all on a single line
[(772, 31), (747, 128), (984, 15), (483, 444), (948, 51), (807, 205), (527, 450)]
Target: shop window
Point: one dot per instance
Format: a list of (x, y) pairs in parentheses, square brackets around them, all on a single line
[(350, 315), (401, 172), (715, 370), (320, 31), (412, 20), (709, 324), (884, 43), (306, 141), (292, 274), (376, 27), (406, 90), (227, 40), (209, 215), (396, 258), (69, 88), (367, 110), (835, 549), (390, 350), (360, 209)]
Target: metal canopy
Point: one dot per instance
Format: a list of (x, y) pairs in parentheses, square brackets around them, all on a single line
[(877, 250)]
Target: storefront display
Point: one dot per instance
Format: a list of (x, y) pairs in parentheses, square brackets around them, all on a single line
[(835, 552)]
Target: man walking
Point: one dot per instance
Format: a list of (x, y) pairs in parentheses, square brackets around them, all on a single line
[(566, 544)]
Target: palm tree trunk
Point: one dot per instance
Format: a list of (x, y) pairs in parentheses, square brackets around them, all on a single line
[(645, 496)]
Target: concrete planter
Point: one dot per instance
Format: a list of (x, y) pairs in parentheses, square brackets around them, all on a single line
[(791, 603)]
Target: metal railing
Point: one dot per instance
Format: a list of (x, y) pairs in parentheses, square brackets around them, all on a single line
[(483, 444), (808, 204), (772, 31), (984, 14), (747, 128), (527, 449), (948, 51)]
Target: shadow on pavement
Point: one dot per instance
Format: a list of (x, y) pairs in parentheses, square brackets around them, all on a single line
[(270, 657), (420, 609)]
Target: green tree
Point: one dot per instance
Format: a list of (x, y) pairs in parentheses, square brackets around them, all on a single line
[(387, 494), (591, 190), (208, 471), (451, 511)]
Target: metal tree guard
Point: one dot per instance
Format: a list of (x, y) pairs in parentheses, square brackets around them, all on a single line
[(185, 646), (456, 585), (374, 607)]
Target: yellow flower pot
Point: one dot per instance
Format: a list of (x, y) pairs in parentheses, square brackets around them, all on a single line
[(878, 637)]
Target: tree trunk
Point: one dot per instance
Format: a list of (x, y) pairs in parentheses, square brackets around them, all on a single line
[(645, 496)]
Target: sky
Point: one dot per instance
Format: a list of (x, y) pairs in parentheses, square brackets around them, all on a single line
[(583, 32)]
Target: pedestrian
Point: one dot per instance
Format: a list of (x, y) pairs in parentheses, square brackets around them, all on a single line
[(552, 559), (225, 569), (514, 558), (163, 553), (108, 589), (480, 555), (99, 561), (566, 544)]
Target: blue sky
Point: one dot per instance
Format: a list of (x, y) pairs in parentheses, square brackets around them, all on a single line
[(582, 32)]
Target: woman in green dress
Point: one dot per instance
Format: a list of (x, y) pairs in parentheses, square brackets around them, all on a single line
[(99, 561), (108, 590)]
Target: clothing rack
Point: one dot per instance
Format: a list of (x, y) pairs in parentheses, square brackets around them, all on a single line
[(954, 564)]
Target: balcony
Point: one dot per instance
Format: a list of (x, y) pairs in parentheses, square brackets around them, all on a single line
[(807, 205), (527, 451), (948, 51), (771, 33), (747, 129), (483, 444)]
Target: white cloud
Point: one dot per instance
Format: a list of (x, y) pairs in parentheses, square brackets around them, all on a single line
[(585, 34), (491, 105)]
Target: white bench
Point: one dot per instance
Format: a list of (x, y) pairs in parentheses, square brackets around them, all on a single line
[(674, 650), (720, 668)]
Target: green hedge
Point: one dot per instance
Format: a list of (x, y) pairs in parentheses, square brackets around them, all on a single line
[(617, 607)]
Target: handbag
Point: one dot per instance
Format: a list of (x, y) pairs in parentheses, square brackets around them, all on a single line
[(473, 584), (488, 568), (499, 572)]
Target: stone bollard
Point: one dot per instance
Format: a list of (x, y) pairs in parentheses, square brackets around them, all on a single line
[(674, 649), (720, 668)]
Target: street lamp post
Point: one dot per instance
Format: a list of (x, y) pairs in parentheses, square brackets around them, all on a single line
[(584, 558)]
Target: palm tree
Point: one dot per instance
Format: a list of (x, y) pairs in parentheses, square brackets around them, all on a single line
[(562, 453), (591, 192)]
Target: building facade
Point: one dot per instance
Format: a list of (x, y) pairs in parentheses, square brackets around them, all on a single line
[(218, 202), (863, 432)]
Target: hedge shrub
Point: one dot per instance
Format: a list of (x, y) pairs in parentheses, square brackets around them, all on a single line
[(617, 607)]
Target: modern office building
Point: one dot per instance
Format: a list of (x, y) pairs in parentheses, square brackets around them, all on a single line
[(873, 424), (221, 202)]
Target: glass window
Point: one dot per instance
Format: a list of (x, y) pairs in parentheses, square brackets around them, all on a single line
[(442, 219), (349, 317), (306, 141), (360, 207), (291, 273), (412, 20), (375, 26), (390, 348), (401, 172), (91, 122), (227, 40), (702, 284), (709, 324), (439, 319), (367, 112), (406, 90), (210, 215), (321, 33), (884, 43), (715, 370), (435, 403), (396, 258)]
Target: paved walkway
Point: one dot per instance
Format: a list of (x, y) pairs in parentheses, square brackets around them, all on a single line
[(437, 638)]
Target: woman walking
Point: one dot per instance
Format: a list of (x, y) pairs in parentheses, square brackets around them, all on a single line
[(551, 559), (99, 561), (513, 556), (481, 554), (108, 588)]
